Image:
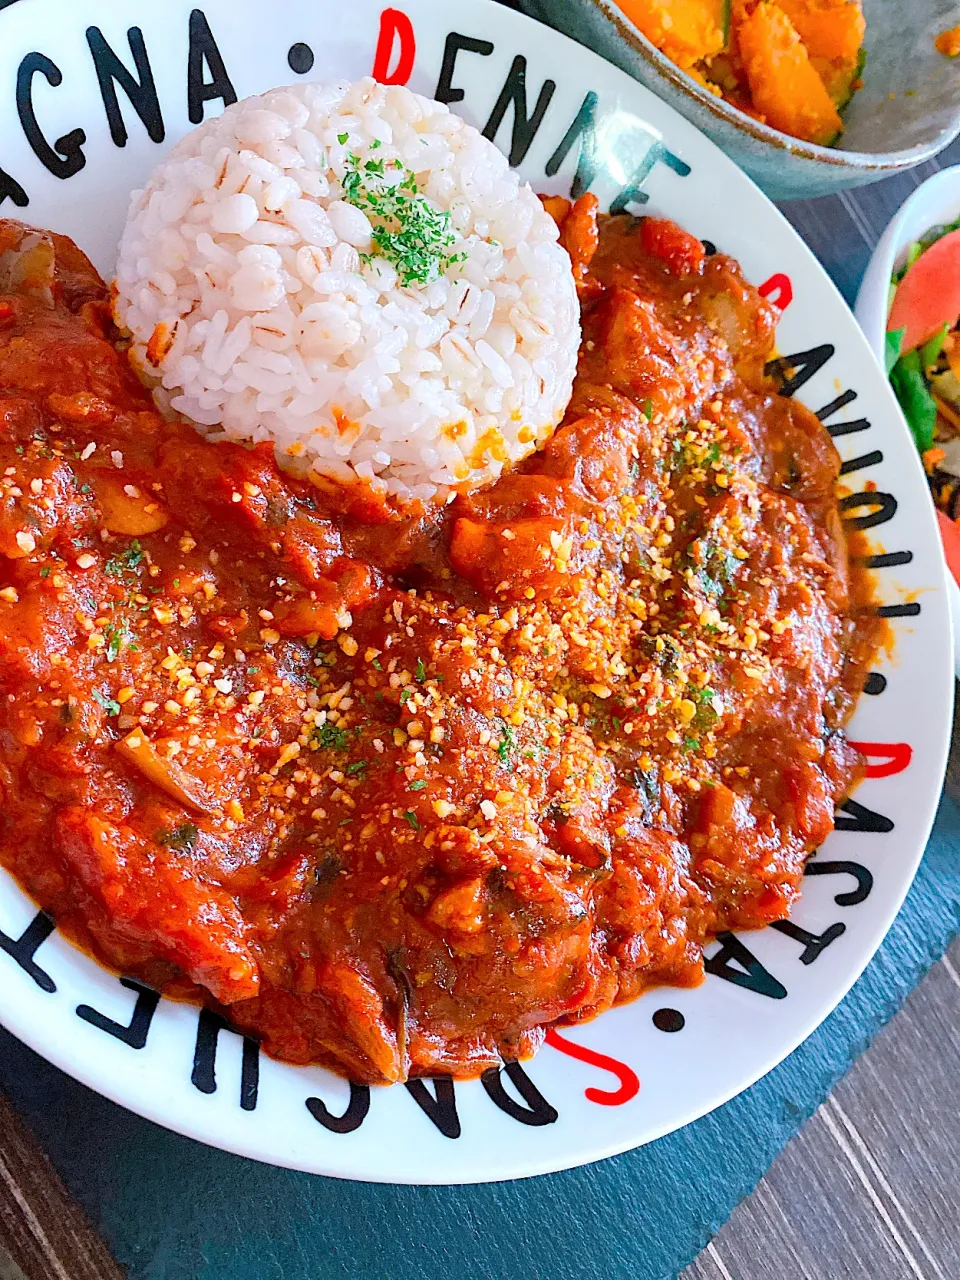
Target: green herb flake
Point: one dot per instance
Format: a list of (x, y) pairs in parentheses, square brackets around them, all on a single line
[(418, 785), (358, 766), (409, 232), (421, 671), (342, 138), (507, 743), (330, 737), (412, 818), (126, 562), (111, 707), (45, 571), (648, 410)]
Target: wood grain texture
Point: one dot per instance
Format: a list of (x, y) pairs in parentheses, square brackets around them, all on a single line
[(869, 1189), (43, 1234)]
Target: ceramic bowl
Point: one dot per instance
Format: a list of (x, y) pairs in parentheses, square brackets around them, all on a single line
[(907, 111), (646, 1068), (936, 202)]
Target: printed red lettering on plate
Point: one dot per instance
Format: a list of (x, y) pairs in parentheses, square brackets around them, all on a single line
[(629, 1080), (780, 285), (892, 757), (395, 29)]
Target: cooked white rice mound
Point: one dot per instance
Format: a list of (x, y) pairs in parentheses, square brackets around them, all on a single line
[(354, 273)]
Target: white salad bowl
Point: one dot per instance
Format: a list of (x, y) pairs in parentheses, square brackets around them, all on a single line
[(935, 202)]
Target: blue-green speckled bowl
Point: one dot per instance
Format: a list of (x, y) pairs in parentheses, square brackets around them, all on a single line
[(907, 111)]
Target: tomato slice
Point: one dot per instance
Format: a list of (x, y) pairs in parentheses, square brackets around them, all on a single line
[(928, 296), (950, 533)]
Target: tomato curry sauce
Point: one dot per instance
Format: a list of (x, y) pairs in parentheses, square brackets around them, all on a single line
[(395, 791)]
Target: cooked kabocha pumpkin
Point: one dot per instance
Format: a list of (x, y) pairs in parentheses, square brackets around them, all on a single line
[(830, 29), (785, 86), (794, 64), (687, 31)]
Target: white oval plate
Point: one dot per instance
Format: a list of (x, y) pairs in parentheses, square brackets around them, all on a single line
[(620, 1081)]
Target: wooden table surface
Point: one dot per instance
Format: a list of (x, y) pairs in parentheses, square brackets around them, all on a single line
[(868, 1190)]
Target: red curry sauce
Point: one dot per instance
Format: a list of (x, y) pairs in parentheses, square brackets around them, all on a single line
[(398, 792)]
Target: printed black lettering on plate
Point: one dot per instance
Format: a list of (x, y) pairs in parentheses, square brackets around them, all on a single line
[(584, 129), (841, 402), (795, 370), (863, 877), (814, 944), (351, 1119), (10, 189), (875, 684), (888, 560), (440, 1106), (142, 92), (656, 153), (909, 610), (446, 90), (853, 816), (514, 92), (204, 1075), (205, 56), (538, 1110), (65, 157), (885, 504), (838, 429), (871, 459), (841, 428), (24, 948), (751, 974), (669, 1020), (300, 58), (134, 1035)]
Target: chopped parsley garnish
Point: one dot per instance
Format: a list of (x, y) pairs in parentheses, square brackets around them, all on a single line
[(648, 410), (507, 743), (358, 766), (412, 818), (330, 737), (110, 706), (182, 837), (342, 137), (118, 639), (377, 664), (421, 671), (418, 785), (45, 571), (408, 231), (126, 562), (405, 695)]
